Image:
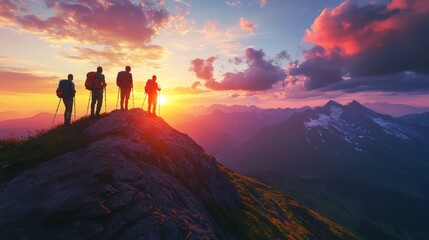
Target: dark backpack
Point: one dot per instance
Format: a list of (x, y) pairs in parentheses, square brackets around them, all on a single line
[(91, 82), (123, 80), (62, 89)]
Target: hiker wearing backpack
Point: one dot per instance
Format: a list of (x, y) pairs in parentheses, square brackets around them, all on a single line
[(96, 82), (124, 80), (66, 90), (152, 89)]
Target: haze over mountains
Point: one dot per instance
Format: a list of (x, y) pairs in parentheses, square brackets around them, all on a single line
[(366, 170), (395, 110), (224, 127)]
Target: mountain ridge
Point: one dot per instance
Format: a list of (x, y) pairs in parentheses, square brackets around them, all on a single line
[(138, 177)]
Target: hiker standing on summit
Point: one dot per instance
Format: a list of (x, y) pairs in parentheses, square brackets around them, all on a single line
[(152, 90), (124, 81), (66, 90), (97, 92)]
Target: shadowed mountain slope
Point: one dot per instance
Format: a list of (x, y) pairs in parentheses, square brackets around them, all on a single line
[(365, 170), (135, 177)]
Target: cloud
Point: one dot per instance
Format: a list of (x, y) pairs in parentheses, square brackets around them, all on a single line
[(260, 74), (233, 3), (246, 25), (210, 29), (195, 84), (115, 24), (262, 3), (203, 69), (20, 80), (110, 56), (368, 48)]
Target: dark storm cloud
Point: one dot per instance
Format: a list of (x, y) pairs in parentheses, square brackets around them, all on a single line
[(261, 74)]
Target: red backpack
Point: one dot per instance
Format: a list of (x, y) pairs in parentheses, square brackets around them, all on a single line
[(91, 82), (151, 87)]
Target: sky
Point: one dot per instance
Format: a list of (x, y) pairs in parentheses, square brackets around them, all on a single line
[(268, 53)]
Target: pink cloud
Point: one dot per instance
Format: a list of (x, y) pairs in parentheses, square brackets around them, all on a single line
[(262, 3), (353, 29), (373, 47), (210, 29), (246, 25), (120, 24)]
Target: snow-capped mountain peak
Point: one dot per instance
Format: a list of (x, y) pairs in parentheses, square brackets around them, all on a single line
[(353, 124)]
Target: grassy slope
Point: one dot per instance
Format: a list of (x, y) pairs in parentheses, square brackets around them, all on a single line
[(18, 155), (272, 215)]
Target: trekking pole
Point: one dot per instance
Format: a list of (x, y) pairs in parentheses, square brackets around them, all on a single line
[(87, 108), (56, 113), (105, 99), (117, 99), (159, 104), (144, 100), (132, 90), (74, 100)]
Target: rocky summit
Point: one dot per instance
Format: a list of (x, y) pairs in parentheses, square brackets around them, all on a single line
[(139, 178)]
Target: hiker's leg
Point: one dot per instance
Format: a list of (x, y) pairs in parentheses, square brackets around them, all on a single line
[(155, 98), (122, 98), (99, 101), (127, 97), (65, 111), (93, 101), (68, 103), (149, 104)]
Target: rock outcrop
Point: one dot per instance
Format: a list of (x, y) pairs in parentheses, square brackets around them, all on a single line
[(141, 179)]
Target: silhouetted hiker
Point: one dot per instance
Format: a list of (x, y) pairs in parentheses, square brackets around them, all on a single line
[(66, 90), (99, 83), (124, 80), (152, 90)]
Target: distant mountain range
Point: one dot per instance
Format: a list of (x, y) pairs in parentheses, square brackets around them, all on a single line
[(203, 110), (225, 127), (395, 110), (23, 127), (366, 170), (421, 119)]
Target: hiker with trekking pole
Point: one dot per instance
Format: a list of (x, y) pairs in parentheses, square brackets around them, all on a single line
[(124, 81), (96, 83), (151, 89), (66, 90)]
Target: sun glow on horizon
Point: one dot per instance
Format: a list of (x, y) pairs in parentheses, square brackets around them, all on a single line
[(162, 99)]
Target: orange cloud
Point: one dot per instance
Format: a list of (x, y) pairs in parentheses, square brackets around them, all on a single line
[(210, 29), (115, 25), (246, 25)]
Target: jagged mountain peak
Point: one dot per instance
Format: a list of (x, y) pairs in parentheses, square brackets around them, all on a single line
[(140, 178), (332, 103)]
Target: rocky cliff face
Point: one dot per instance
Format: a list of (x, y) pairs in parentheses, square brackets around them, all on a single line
[(138, 178)]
